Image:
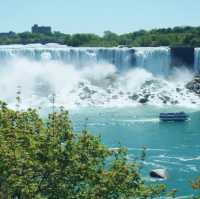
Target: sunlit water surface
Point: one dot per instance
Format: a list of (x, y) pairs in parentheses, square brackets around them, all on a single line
[(170, 145)]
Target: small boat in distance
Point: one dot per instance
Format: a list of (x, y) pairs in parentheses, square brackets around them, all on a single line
[(173, 117)]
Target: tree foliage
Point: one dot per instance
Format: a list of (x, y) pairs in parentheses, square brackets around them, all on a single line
[(46, 159), (196, 186), (177, 36)]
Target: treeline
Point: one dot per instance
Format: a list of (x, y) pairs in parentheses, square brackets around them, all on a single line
[(177, 36)]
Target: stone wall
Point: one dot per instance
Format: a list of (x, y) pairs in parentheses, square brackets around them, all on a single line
[(182, 56)]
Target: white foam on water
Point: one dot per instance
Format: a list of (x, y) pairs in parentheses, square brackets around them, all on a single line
[(139, 149), (153, 164), (82, 77), (182, 159), (167, 162), (141, 120), (192, 168), (197, 60)]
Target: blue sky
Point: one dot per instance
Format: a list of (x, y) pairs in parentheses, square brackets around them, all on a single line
[(95, 16)]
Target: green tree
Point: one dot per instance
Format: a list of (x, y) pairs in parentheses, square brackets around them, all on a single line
[(110, 38), (177, 36), (47, 160)]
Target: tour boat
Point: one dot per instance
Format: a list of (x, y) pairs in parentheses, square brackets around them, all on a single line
[(176, 117)]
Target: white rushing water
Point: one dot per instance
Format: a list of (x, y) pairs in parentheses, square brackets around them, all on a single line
[(155, 60), (92, 76), (197, 60)]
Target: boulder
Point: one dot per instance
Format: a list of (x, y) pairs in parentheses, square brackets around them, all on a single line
[(114, 97), (109, 91), (143, 100), (178, 90), (194, 85), (134, 97), (165, 99), (88, 91), (158, 173), (121, 93), (174, 102)]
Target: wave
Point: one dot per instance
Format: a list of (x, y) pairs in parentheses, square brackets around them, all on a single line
[(182, 159)]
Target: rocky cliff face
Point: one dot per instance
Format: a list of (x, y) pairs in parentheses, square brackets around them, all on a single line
[(182, 56), (194, 85)]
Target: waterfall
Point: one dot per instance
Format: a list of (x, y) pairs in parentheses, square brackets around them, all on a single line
[(120, 57), (197, 60), (90, 76), (156, 60)]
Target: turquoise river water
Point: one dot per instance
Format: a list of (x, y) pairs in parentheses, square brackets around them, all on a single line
[(173, 146)]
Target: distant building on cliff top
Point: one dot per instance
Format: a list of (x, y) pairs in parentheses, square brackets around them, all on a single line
[(41, 29)]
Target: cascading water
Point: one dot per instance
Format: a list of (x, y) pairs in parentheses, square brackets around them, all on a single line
[(197, 60), (155, 60), (91, 76), (77, 56)]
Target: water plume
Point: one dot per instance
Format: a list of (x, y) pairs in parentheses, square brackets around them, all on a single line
[(92, 76)]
